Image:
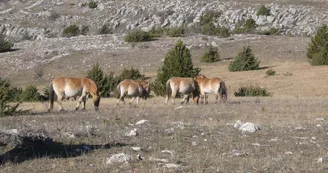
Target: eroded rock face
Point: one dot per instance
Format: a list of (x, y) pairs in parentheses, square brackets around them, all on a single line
[(40, 19)]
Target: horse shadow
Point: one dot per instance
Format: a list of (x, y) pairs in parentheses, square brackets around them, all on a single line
[(31, 149)]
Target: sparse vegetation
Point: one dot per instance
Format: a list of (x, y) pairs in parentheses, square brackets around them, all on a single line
[(84, 29), (7, 95), (252, 91), (156, 32), (211, 55), (248, 26), (263, 11), (4, 44), (137, 36), (30, 94), (270, 72), (317, 51), (54, 16), (105, 30), (272, 31), (92, 4), (208, 28), (176, 32), (72, 30), (178, 63), (38, 72), (245, 60)]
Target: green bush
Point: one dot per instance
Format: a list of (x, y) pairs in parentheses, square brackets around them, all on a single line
[(156, 32), (92, 4), (263, 11), (71, 30), (270, 72), (108, 83), (207, 26), (105, 30), (7, 95), (176, 32), (84, 29), (137, 36), (245, 60), (247, 26), (211, 55), (317, 51), (271, 31), (178, 63), (252, 91), (5, 45), (209, 17), (31, 93)]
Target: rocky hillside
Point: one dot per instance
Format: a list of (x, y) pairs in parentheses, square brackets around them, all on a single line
[(37, 19)]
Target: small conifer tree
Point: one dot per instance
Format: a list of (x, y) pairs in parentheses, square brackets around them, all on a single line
[(6, 96), (245, 60), (177, 63), (4, 45), (317, 51), (211, 55)]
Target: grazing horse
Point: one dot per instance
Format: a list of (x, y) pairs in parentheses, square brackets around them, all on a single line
[(134, 88), (184, 86), (71, 87), (208, 86)]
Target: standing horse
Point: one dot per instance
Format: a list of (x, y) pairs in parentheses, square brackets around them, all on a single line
[(134, 88), (71, 87), (208, 86), (184, 86)]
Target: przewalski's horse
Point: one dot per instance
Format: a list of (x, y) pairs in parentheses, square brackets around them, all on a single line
[(209, 86), (184, 86), (134, 88), (70, 87)]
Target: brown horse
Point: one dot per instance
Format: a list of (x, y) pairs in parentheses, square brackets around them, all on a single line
[(134, 88), (184, 86), (208, 86), (71, 87)]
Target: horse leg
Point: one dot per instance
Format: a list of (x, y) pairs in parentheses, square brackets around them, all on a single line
[(216, 98), (206, 99), (138, 98), (185, 97), (59, 100), (132, 100)]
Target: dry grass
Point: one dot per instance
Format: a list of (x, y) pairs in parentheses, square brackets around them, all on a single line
[(218, 147)]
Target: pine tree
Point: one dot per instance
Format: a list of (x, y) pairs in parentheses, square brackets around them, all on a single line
[(97, 74), (245, 60), (317, 52), (177, 63)]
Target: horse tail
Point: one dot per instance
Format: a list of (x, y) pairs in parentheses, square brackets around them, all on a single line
[(168, 89), (118, 91), (223, 91), (51, 97)]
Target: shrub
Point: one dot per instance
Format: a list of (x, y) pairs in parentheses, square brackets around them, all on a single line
[(176, 32), (84, 29), (209, 17), (31, 93), (137, 36), (104, 30), (248, 26), (5, 45), (53, 16), (92, 4), (156, 32), (208, 28), (270, 72), (263, 11), (108, 83), (271, 31), (6, 96), (245, 60), (178, 63), (252, 91), (317, 51), (71, 30), (211, 55)]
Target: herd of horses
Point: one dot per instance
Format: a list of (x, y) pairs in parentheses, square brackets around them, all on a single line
[(199, 86)]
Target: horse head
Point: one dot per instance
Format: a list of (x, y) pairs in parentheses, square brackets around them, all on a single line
[(146, 89)]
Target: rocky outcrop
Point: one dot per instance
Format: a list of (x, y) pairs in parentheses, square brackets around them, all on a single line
[(145, 14)]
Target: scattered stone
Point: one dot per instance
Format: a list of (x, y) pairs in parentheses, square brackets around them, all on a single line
[(288, 153), (319, 119), (319, 160), (167, 151), (179, 124), (246, 127), (299, 128), (133, 132), (12, 131), (172, 165), (118, 158), (142, 122), (69, 135), (136, 148), (152, 159)]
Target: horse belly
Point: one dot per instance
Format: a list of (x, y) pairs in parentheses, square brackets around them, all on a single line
[(132, 91), (70, 92), (208, 91)]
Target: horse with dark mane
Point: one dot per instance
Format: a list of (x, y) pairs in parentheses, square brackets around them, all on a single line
[(209, 86), (65, 87), (185, 86), (134, 88)]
